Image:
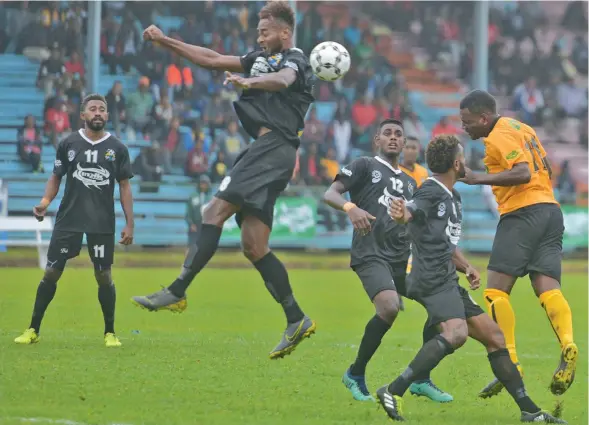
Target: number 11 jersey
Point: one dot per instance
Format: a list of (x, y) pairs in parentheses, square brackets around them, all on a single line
[(91, 168)]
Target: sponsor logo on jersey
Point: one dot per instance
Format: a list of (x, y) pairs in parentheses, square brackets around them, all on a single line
[(453, 230), (386, 198), (260, 67), (57, 163), (347, 171), (71, 155), (110, 155), (376, 176), (511, 155), (92, 177)]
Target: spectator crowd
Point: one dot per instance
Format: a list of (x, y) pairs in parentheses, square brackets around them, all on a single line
[(186, 114)]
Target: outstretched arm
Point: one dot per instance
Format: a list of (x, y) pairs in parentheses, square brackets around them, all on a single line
[(275, 81), (200, 56), (519, 174)]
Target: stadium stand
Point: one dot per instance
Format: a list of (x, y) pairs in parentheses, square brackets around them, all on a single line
[(392, 66)]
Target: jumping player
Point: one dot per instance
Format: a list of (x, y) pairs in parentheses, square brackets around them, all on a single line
[(276, 96), (435, 223), (91, 159), (380, 248), (530, 230)]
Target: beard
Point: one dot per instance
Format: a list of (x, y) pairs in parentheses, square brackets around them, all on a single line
[(461, 173), (95, 125)]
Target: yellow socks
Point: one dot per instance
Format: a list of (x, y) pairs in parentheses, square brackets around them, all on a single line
[(500, 310), (560, 316)]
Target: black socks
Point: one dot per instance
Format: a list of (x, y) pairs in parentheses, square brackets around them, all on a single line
[(506, 372), (375, 330), (429, 332), (45, 293), (198, 256), (428, 357), (276, 279), (107, 296)]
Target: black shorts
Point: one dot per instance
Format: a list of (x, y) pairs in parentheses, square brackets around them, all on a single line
[(453, 302), (192, 238), (260, 173), (377, 276), (529, 240), (65, 245)]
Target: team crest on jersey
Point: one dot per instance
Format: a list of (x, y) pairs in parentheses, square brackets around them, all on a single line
[(376, 176), (92, 177), (441, 209), (57, 163), (71, 155), (110, 155), (275, 60)]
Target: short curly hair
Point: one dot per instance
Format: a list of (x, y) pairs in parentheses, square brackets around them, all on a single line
[(93, 96), (279, 10), (441, 153), (479, 101)]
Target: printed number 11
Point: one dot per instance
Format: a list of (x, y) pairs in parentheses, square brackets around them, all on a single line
[(91, 156)]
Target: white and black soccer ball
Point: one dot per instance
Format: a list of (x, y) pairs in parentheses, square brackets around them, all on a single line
[(330, 61)]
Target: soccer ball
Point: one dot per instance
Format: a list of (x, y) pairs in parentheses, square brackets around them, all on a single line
[(330, 61)]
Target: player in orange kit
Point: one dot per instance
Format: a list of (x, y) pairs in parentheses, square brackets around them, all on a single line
[(409, 164), (530, 230)]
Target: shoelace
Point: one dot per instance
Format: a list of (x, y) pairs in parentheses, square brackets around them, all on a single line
[(434, 386), (157, 294)]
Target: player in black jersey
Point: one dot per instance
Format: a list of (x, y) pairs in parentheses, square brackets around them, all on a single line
[(276, 96), (380, 248), (435, 223), (91, 160)]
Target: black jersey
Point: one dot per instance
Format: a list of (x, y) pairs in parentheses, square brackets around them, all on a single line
[(283, 111), (434, 232), (91, 168), (373, 183)]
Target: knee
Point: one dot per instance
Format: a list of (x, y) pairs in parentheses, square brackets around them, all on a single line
[(456, 334), (387, 306), (103, 277), (217, 212), (253, 249), (51, 275), (496, 339)]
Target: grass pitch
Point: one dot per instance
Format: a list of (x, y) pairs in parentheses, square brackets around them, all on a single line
[(210, 364)]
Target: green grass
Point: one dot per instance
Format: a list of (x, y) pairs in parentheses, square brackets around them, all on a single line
[(209, 365)]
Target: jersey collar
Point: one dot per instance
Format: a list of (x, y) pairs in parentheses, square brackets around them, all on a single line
[(92, 142), (382, 161), (442, 185)]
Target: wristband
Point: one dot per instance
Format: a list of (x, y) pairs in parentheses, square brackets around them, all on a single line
[(45, 202), (348, 206)]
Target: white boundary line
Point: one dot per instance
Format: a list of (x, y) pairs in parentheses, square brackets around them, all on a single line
[(46, 421)]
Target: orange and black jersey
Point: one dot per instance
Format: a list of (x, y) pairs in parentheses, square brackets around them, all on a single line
[(511, 142)]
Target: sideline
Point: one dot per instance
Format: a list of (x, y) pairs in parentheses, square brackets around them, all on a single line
[(23, 420)]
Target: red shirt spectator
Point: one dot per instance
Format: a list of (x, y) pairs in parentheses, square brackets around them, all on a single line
[(364, 113), (58, 119), (197, 162), (444, 127), (74, 65)]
